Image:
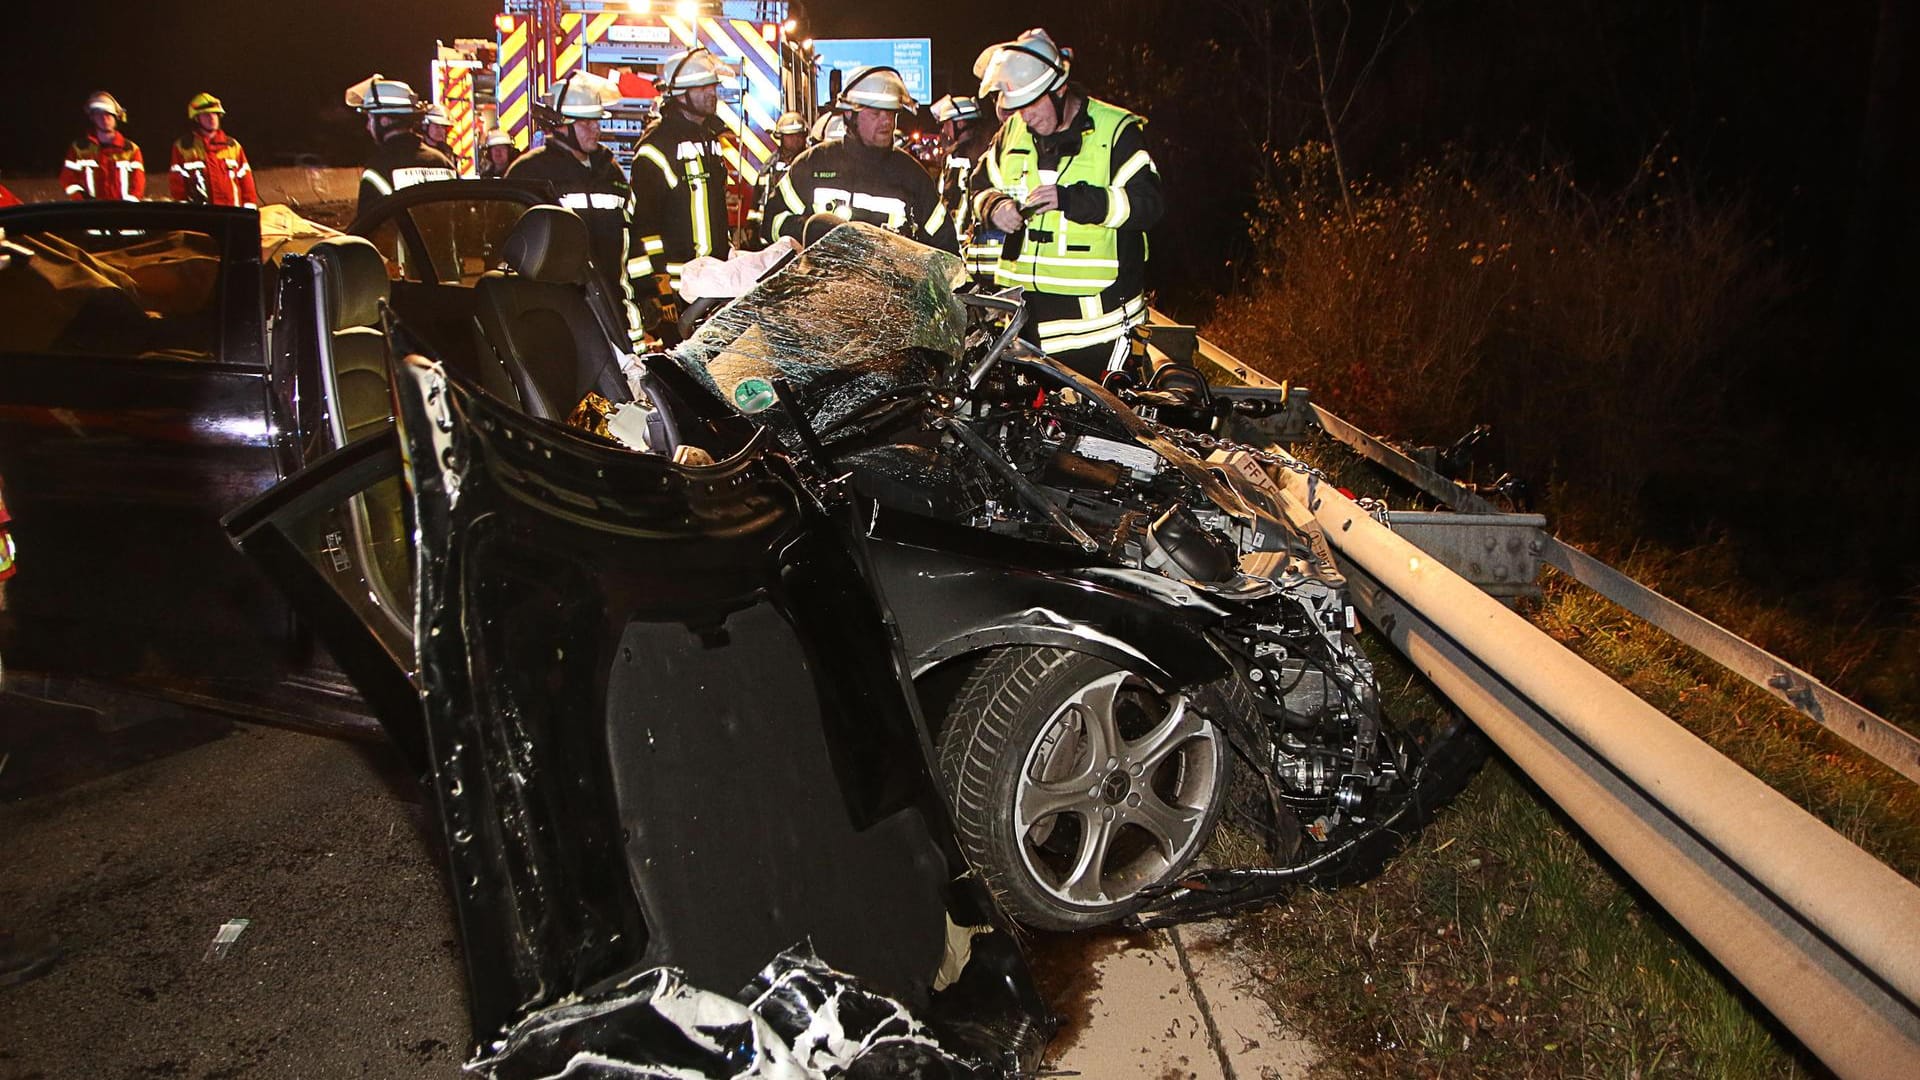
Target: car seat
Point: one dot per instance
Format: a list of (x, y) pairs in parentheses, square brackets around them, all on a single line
[(538, 320), (353, 285), (352, 281)]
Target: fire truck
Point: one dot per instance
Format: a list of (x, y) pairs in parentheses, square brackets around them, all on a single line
[(494, 83)]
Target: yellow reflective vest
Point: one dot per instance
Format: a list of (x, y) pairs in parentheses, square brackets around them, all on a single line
[(1067, 258)]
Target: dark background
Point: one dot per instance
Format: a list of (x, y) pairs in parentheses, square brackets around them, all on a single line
[(1808, 111), (1808, 107)]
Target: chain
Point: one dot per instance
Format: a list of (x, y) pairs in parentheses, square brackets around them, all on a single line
[(1201, 444)]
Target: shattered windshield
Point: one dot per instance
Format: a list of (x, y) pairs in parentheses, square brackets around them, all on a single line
[(860, 314)]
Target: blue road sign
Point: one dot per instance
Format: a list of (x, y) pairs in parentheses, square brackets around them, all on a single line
[(911, 57)]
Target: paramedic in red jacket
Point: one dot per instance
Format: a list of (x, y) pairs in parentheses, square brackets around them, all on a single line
[(209, 166), (104, 163)]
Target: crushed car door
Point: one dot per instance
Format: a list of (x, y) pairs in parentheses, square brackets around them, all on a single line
[(662, 717)]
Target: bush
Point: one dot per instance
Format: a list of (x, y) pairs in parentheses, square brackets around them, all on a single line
[(1599, 334)]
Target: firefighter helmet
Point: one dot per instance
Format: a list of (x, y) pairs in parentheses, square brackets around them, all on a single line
[(101, 101), (1023, 70), (692, 69), (876, 88), (436, 114), (956, 108), (789, 124), (828, 125), (580, 96), (202, 104), (499, 137), (381, 96)]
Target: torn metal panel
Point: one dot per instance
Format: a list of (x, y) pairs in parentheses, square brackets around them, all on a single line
[(797, 1020)]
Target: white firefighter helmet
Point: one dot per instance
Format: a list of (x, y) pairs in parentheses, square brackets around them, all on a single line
[(789, 124), (828, 125), (876, 88), (381, 96), (580, 96), (436, 114), (692, 69), (955, 108), (101, 101), (1023, 70), (499, 137)]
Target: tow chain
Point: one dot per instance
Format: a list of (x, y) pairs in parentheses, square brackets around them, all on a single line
[(1200, 444)]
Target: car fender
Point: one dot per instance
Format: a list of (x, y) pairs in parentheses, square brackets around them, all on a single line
[(955, 590)]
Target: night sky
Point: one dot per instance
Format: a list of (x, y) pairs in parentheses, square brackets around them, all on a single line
[(281, 69)]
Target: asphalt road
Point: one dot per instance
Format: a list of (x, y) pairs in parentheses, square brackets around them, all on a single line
[(133, 848), (133, 845)]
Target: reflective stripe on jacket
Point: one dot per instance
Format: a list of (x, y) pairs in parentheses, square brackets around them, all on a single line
[(401, 160), (884, 187), (680, 195), (96, 170), (212, 169)]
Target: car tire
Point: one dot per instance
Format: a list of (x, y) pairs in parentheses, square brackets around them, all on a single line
[(1079, 788)]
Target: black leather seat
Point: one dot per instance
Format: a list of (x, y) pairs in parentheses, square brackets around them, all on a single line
[(352, 281), (353, 284), (537, 318)]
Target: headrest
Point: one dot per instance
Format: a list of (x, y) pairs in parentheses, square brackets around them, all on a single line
[(356, 280), (548, 243)]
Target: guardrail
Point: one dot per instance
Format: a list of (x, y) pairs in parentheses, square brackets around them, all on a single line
[(1821, 933)]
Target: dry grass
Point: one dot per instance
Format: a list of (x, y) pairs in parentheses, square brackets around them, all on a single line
[(1598, 334), (1503, 944)]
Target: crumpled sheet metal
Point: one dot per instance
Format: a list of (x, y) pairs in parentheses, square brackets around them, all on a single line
[(859, 314), (798, 1020)]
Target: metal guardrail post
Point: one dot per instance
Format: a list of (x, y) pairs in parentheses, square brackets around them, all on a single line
[(1823, 934)]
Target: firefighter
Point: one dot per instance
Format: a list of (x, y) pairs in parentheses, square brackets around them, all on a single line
[(864, 176), (586, 178), (791, 130), (966, 136), (436, 128), (680, 177), (104, 163), (210, 166), (399, 159), (499, 156), (1069, 180)]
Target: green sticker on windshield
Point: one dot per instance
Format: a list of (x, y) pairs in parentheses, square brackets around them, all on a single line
[(753, 395)]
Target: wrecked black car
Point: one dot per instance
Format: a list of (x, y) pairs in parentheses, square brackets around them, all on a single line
[(851, 622), (1125, 632), (855, 509)]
